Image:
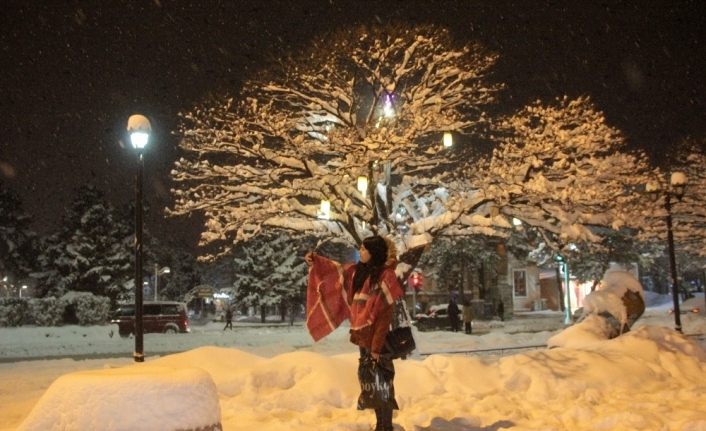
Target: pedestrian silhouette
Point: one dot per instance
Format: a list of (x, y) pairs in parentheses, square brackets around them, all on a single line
[(229, 319)]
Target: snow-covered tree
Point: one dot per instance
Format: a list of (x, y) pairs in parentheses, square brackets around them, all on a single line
[(374, 103), (590, 260), (305, 131), (458, 262), (184, 272), (92, 252), (18, 242), (563, 170), (689, 212), (269, 271)]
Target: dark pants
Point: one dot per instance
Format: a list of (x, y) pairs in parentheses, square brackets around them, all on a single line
[(229, 324), (382, 415), (454, 324), (468, 327), (384, 419)]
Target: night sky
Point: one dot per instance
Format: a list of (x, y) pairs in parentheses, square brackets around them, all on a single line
[(73, 71)]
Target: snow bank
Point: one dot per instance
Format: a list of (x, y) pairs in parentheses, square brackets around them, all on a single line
[(138, 397), (592, 385)]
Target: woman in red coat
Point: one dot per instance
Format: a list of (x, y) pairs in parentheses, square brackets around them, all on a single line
[(372, 287)]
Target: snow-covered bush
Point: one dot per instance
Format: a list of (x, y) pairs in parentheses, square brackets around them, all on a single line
[(45, 311), (12, 311), (85, 308)]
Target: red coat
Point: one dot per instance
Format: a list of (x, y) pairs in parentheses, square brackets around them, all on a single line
[(369, 310)]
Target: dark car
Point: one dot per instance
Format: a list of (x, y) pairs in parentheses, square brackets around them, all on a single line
[(160, 316), (436, 318)]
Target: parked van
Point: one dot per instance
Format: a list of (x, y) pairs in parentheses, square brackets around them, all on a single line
[(157, 316)]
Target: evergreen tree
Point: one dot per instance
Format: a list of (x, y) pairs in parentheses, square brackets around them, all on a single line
[(183, 272), (18, 243), (269, 271), (92, 252), (588, 262), (460, 262)]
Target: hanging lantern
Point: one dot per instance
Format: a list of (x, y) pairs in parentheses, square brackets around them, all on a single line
[(448, 139), (388, 109), (362, 184), (325, 210)]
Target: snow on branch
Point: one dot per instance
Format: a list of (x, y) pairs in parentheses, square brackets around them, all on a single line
[(374, 103), (355, 101)]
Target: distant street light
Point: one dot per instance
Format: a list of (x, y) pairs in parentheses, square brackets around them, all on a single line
[(678, 181), (6, 287), (24, 286), (157, 273), (139, 128)]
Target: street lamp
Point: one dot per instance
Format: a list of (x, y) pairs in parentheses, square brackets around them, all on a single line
[(139, 128), (678, 181), (157, 273), (24, 286)]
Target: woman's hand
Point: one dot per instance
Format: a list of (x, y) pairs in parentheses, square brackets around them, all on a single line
[(309, 258)]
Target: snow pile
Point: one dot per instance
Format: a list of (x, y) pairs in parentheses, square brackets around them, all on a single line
[(596, 387), (608, 299), (607, 312), (138, 397)]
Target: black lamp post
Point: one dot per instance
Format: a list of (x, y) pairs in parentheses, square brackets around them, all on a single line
[(139, 128), (678, 183)]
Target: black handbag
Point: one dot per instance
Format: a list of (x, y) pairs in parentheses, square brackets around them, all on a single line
[(377, 387), (399, 342)]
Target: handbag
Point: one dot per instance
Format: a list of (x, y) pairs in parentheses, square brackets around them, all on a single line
[(399, 342), (377, 388)]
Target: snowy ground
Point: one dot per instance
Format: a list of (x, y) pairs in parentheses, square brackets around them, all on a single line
[(275, 378)]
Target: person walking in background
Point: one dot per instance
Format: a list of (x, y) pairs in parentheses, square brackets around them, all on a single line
[(501, 311), (229, 318), (467, 316), (371, 288), (452, 311)]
